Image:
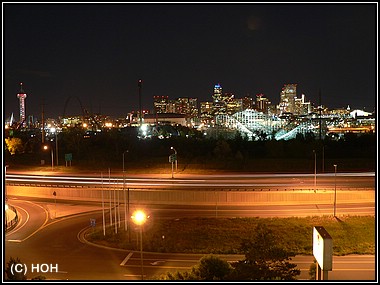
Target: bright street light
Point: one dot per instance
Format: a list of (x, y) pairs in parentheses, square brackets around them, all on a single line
[(52, 156), (139, 218)]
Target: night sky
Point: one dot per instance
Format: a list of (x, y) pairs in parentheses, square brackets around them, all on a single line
[(96, 53)]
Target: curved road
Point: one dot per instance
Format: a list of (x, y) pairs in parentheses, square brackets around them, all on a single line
[(72, 258)]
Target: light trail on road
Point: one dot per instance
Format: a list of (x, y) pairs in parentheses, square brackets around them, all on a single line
[(299, 181)]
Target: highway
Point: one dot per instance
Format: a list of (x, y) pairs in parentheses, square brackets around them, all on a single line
[(365, 180), (38, 238)]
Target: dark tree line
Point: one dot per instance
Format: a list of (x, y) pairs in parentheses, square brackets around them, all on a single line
[(105, 149)]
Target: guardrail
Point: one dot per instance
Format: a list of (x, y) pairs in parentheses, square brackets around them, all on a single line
[(11, 217), (183, 186), (200, 196)]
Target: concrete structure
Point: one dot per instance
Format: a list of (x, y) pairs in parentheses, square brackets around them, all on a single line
[(165, 118), (203, 197)]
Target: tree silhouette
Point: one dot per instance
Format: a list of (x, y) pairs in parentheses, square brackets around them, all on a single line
[(11, 272), (264, 259)]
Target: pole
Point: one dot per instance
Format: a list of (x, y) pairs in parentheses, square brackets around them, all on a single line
[(115, 210), (56, 147), (126, 212), (5, 184), (52, 158), (335, 191), (315, 170), (128, 227), (172, 169), (104, 222), (123, 159), (176, 158), (140, 108), (110, 196), (141, 254), (55, 206), (118, 207), (125, 205), (43, 123)]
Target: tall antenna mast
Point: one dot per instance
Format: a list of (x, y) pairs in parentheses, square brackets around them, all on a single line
[(140, 108)]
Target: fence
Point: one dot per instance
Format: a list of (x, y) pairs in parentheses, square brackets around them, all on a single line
[(11, 217)]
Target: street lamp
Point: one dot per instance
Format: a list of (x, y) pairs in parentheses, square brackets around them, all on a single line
[(140, 108), (126, 222), (5, 184), (139, 218), (176, 164), (54, 130), (315, 170), (335, 166), (52, 156)]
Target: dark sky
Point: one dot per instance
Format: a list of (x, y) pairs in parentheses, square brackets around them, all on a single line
[(97, 52)]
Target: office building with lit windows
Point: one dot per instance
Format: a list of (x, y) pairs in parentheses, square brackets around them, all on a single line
[(287, 98)]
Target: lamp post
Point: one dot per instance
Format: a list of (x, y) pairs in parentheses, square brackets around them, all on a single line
[(315, 170), (54, 130), (176, 164), (126, 212), (52, 156), (5, 184), (139, 218), (335, 166), (140, 108)]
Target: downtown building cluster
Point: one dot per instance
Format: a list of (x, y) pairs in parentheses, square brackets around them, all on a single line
[(227, 104), (254, 117)]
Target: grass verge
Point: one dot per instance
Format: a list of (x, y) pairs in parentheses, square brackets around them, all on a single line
[(350, 234)]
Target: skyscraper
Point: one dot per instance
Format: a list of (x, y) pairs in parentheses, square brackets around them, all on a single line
[(161, 104), (219, 100), (21, 96), (262, 103), (287, 98)]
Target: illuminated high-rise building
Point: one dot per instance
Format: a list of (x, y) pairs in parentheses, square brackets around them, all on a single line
[(233, 105), (206, 110), (217, 96), (182, 105), (193, 107), (301, 106), (21, 96), (219, 100), (262, 103), (161, 104), (287, 98), (248, 103)]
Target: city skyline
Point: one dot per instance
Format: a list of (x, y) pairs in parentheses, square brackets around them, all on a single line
[(60, 51)]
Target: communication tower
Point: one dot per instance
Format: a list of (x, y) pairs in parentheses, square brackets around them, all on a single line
[(21, 96)]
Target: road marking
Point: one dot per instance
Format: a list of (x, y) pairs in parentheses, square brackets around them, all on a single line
[(126, 259), (133, 275), (157, 262), (14, 240)]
